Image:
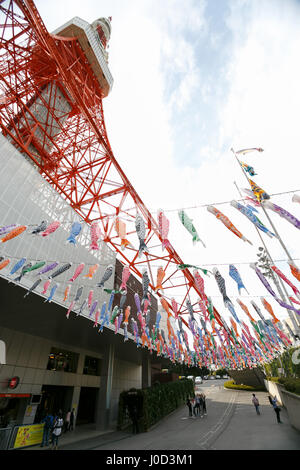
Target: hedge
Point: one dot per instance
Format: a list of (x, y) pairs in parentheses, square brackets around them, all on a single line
[(291, 385), (232, 385), (154, 402)]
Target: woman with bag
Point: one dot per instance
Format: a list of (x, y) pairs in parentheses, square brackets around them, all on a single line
[(57, 429)]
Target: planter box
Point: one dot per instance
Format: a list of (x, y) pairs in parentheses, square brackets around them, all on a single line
[(292, 404)]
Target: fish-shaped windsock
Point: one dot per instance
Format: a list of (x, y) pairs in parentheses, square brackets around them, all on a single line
[(160, 277), (46, 285), (120, 227), (78, 294), (114, 314), (77, 272), (48, 268), (90, 298), (294, 270), (13, 233), (137, 302), (270, 290), (7, 228), (163, 226), (122, 300), (174, 307), (187, 223), (75, 231), (224, 219), (107, 274), (52, 292), (92, 271), (296, 198), (221, 285), (51, 228), (127, 313), (23, 272), (93, 308), (285, 279), (40, 228), (4, 263), (244, 151), (190, 309), (125, 277), (269, 309), (17, 266), (60, 270), (283, 213), (67, 292), (145, 285), (82, 307), (95, 235), (199, 282), (33, 287), (233, 312), (158, 318), (248, 212), (233, 272), (141, 233), (248, 169), (110, 303), (165, 306), (258, 192), (35, 266)]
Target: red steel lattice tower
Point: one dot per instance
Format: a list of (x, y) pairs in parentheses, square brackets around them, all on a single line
[(51, 92)]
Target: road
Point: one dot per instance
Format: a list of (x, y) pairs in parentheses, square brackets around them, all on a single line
[(231, 423)]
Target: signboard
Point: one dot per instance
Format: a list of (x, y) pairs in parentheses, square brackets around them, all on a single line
[(29, 435)]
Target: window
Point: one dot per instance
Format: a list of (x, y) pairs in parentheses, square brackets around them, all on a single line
[(91, 366), (61, 360)]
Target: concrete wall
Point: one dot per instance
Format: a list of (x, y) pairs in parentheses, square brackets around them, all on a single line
[(290, 401), (253, 377), (126, 376), (27, 358), (275, 390), (292, 404)]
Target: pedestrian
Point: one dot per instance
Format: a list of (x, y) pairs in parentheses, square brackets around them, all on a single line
[(189, 404), (277, 411), (274, 402), (270, 400), (67, 421), (201, 404), (255, 403), (57, 429), (204, 404), (197, 406), (48, 421), (72, 417)]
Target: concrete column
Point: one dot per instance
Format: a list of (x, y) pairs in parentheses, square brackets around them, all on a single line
[(146, 370), (103, 407)]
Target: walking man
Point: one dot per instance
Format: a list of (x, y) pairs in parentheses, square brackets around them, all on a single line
[(255, 403), (188, 402), (277, 409)]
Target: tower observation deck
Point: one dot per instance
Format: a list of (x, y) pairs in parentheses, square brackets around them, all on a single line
[(51, 92)]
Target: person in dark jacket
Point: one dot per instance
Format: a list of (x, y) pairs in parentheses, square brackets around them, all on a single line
[(189, 405), (48, 421)]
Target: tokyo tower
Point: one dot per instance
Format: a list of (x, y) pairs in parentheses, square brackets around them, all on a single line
[(51, 110)]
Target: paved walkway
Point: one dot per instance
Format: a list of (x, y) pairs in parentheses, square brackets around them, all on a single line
[(231, 423)]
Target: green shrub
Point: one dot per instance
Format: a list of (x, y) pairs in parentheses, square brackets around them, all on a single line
[(232, 385), (154, 402), (291, 385)]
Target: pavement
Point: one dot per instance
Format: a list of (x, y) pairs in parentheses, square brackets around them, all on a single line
[(231, 423)]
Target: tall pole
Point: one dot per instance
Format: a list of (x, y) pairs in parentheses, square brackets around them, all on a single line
[(285, 297)]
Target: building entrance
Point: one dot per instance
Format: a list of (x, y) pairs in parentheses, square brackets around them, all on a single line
[(54, 398), (87, 405)]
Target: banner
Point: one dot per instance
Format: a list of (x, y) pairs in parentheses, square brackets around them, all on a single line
[(29, 435)]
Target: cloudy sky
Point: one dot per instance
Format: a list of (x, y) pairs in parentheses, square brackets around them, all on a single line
[(193, 78)]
